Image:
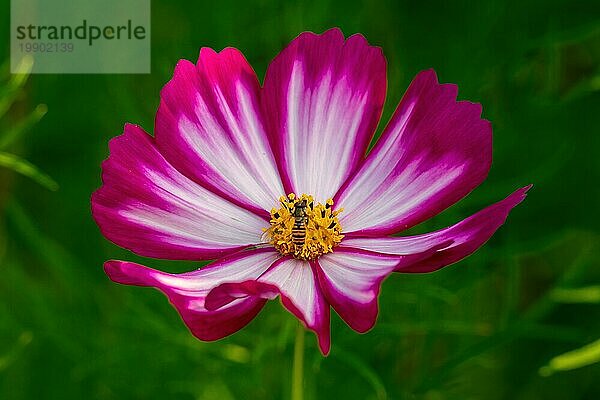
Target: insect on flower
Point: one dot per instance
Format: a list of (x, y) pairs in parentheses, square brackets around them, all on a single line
[(275, 183), (300, 221)]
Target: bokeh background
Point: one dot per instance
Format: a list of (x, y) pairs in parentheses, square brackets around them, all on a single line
[(485, 328)]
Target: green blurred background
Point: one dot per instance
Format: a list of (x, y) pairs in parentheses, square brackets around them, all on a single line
[(485, 328)]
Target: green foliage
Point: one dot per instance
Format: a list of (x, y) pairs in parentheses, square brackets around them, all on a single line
[(25, 168), (588, 294), (480, 329), (9, 94), (586, 355)]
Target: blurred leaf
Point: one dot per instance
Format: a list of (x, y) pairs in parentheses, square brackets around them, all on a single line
[(521, 327), (236, 353), (589, 294), (23, 341), (447, 327), (10, 91), (17, 130), (363, 369), (27, 169), (584, 356)]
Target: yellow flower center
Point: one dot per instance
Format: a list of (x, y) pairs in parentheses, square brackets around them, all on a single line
[(303, 228)]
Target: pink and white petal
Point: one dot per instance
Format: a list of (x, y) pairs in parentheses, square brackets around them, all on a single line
[(210, 127), (148, 207), (296, 283), (225, 293), (187, 292), (351, 280), (323, 98), (434, 151), (463, 238)]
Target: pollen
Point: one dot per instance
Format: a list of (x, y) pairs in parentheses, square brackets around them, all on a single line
[(304, 228)]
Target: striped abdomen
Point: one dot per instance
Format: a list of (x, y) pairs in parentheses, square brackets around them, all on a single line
[(299, 231), (300, 220)]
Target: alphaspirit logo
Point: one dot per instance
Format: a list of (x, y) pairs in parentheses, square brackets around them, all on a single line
[(95, 36)]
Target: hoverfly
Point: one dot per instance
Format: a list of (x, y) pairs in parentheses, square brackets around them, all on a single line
[(300, 221)]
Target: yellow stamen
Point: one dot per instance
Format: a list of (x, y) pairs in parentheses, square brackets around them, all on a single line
[(303, 228)]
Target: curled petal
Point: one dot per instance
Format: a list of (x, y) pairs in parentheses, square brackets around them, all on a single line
[(148, 207), (209, 126), (323, 98), (187, 292), (434, 151), (296, 283), (351, 280), (463, 238)]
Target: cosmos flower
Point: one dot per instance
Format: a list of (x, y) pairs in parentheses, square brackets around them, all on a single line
[(275, 183)]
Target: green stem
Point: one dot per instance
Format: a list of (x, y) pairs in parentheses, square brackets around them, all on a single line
[(298, 367)]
